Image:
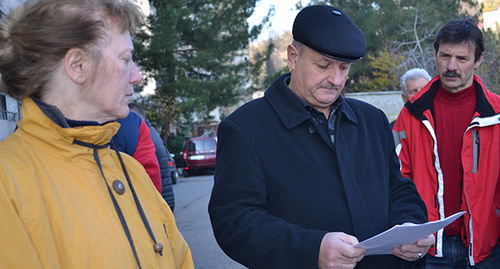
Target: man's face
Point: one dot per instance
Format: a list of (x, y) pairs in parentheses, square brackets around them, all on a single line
[(456, 65), (316, 78), (116, 72), (412, 87)]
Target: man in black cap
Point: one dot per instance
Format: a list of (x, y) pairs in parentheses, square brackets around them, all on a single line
[(303, 174)]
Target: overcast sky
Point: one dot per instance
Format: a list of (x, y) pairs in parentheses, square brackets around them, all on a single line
[(282, 20)]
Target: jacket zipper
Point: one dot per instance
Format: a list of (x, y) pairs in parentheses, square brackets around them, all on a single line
[(433, 157), (475, 150), (475, 164)]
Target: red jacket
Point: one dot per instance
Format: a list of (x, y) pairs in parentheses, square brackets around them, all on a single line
[(417, 149), (134, 138)]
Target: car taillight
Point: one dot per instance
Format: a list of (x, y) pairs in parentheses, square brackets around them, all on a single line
[(170, 163), (184, 155)]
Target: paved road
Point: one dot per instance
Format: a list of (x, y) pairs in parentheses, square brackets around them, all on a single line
[(191, 201)]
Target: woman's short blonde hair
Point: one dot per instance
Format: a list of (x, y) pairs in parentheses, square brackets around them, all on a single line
[(35, 37)]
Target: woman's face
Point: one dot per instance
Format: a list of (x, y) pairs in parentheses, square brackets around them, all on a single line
[(110, 92)]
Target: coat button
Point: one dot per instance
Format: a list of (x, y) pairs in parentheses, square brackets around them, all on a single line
[(312, 130), (158, 247), (118, 187)]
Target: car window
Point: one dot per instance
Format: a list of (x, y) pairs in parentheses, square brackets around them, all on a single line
[(201, 145)]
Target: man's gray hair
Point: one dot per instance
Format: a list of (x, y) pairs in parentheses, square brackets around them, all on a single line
[(413, 74)]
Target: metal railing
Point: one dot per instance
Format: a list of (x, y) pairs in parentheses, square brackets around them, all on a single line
[(8, 115)]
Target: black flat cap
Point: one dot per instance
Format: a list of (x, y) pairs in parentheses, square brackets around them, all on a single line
[(329, 31)]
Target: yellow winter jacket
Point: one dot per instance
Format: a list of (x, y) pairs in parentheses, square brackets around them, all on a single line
[(56, 210)]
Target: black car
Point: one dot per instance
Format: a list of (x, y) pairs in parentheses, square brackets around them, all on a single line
[(172, 166)]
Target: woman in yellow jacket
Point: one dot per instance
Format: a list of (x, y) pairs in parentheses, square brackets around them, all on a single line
[(67, 198)]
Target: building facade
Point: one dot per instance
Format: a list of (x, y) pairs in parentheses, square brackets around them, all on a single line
[(10, 108)]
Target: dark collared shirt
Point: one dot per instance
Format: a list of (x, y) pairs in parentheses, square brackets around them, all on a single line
[(319, 117)]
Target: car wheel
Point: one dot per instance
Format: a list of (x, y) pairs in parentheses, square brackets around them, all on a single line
[(174, 178)]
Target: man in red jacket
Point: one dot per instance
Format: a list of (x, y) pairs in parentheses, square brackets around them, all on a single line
[(134, 138), (450, 147)]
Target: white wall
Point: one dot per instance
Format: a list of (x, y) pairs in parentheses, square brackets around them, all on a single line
[(491, 18), (7, 5), (6, 128), (390, 102)]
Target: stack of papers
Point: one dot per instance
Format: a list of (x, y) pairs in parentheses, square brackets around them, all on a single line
[(384, 242)]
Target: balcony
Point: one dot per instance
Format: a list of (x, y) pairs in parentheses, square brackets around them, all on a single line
[(8, 122)]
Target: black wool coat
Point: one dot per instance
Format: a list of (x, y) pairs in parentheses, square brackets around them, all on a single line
[(281, 184)]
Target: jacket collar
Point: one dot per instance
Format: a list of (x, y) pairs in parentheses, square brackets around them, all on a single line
[(52, 127), (57, 117), (52, 112), (292, 110), (422, 101)]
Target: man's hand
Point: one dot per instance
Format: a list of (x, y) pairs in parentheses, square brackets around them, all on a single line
[(337, 251), (415, 251)]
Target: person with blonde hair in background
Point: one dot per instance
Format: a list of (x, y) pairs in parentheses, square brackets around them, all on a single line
[(67, 198)]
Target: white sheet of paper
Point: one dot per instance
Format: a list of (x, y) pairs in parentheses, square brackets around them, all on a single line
[(384, 242)]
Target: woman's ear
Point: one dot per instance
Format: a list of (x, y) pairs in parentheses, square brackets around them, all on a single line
[(75, 64)]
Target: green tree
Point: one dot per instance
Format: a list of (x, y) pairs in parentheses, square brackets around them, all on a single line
[(488, 70), (197, 52), (407, 43), (161, 111), (383, 61), (418, 51), (376, 20), (271, 56)]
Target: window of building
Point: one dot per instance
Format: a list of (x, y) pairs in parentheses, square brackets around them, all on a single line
[(3, 107)]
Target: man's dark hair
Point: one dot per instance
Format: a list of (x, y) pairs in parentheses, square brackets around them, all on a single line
[(458, 31), (137, 109)]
